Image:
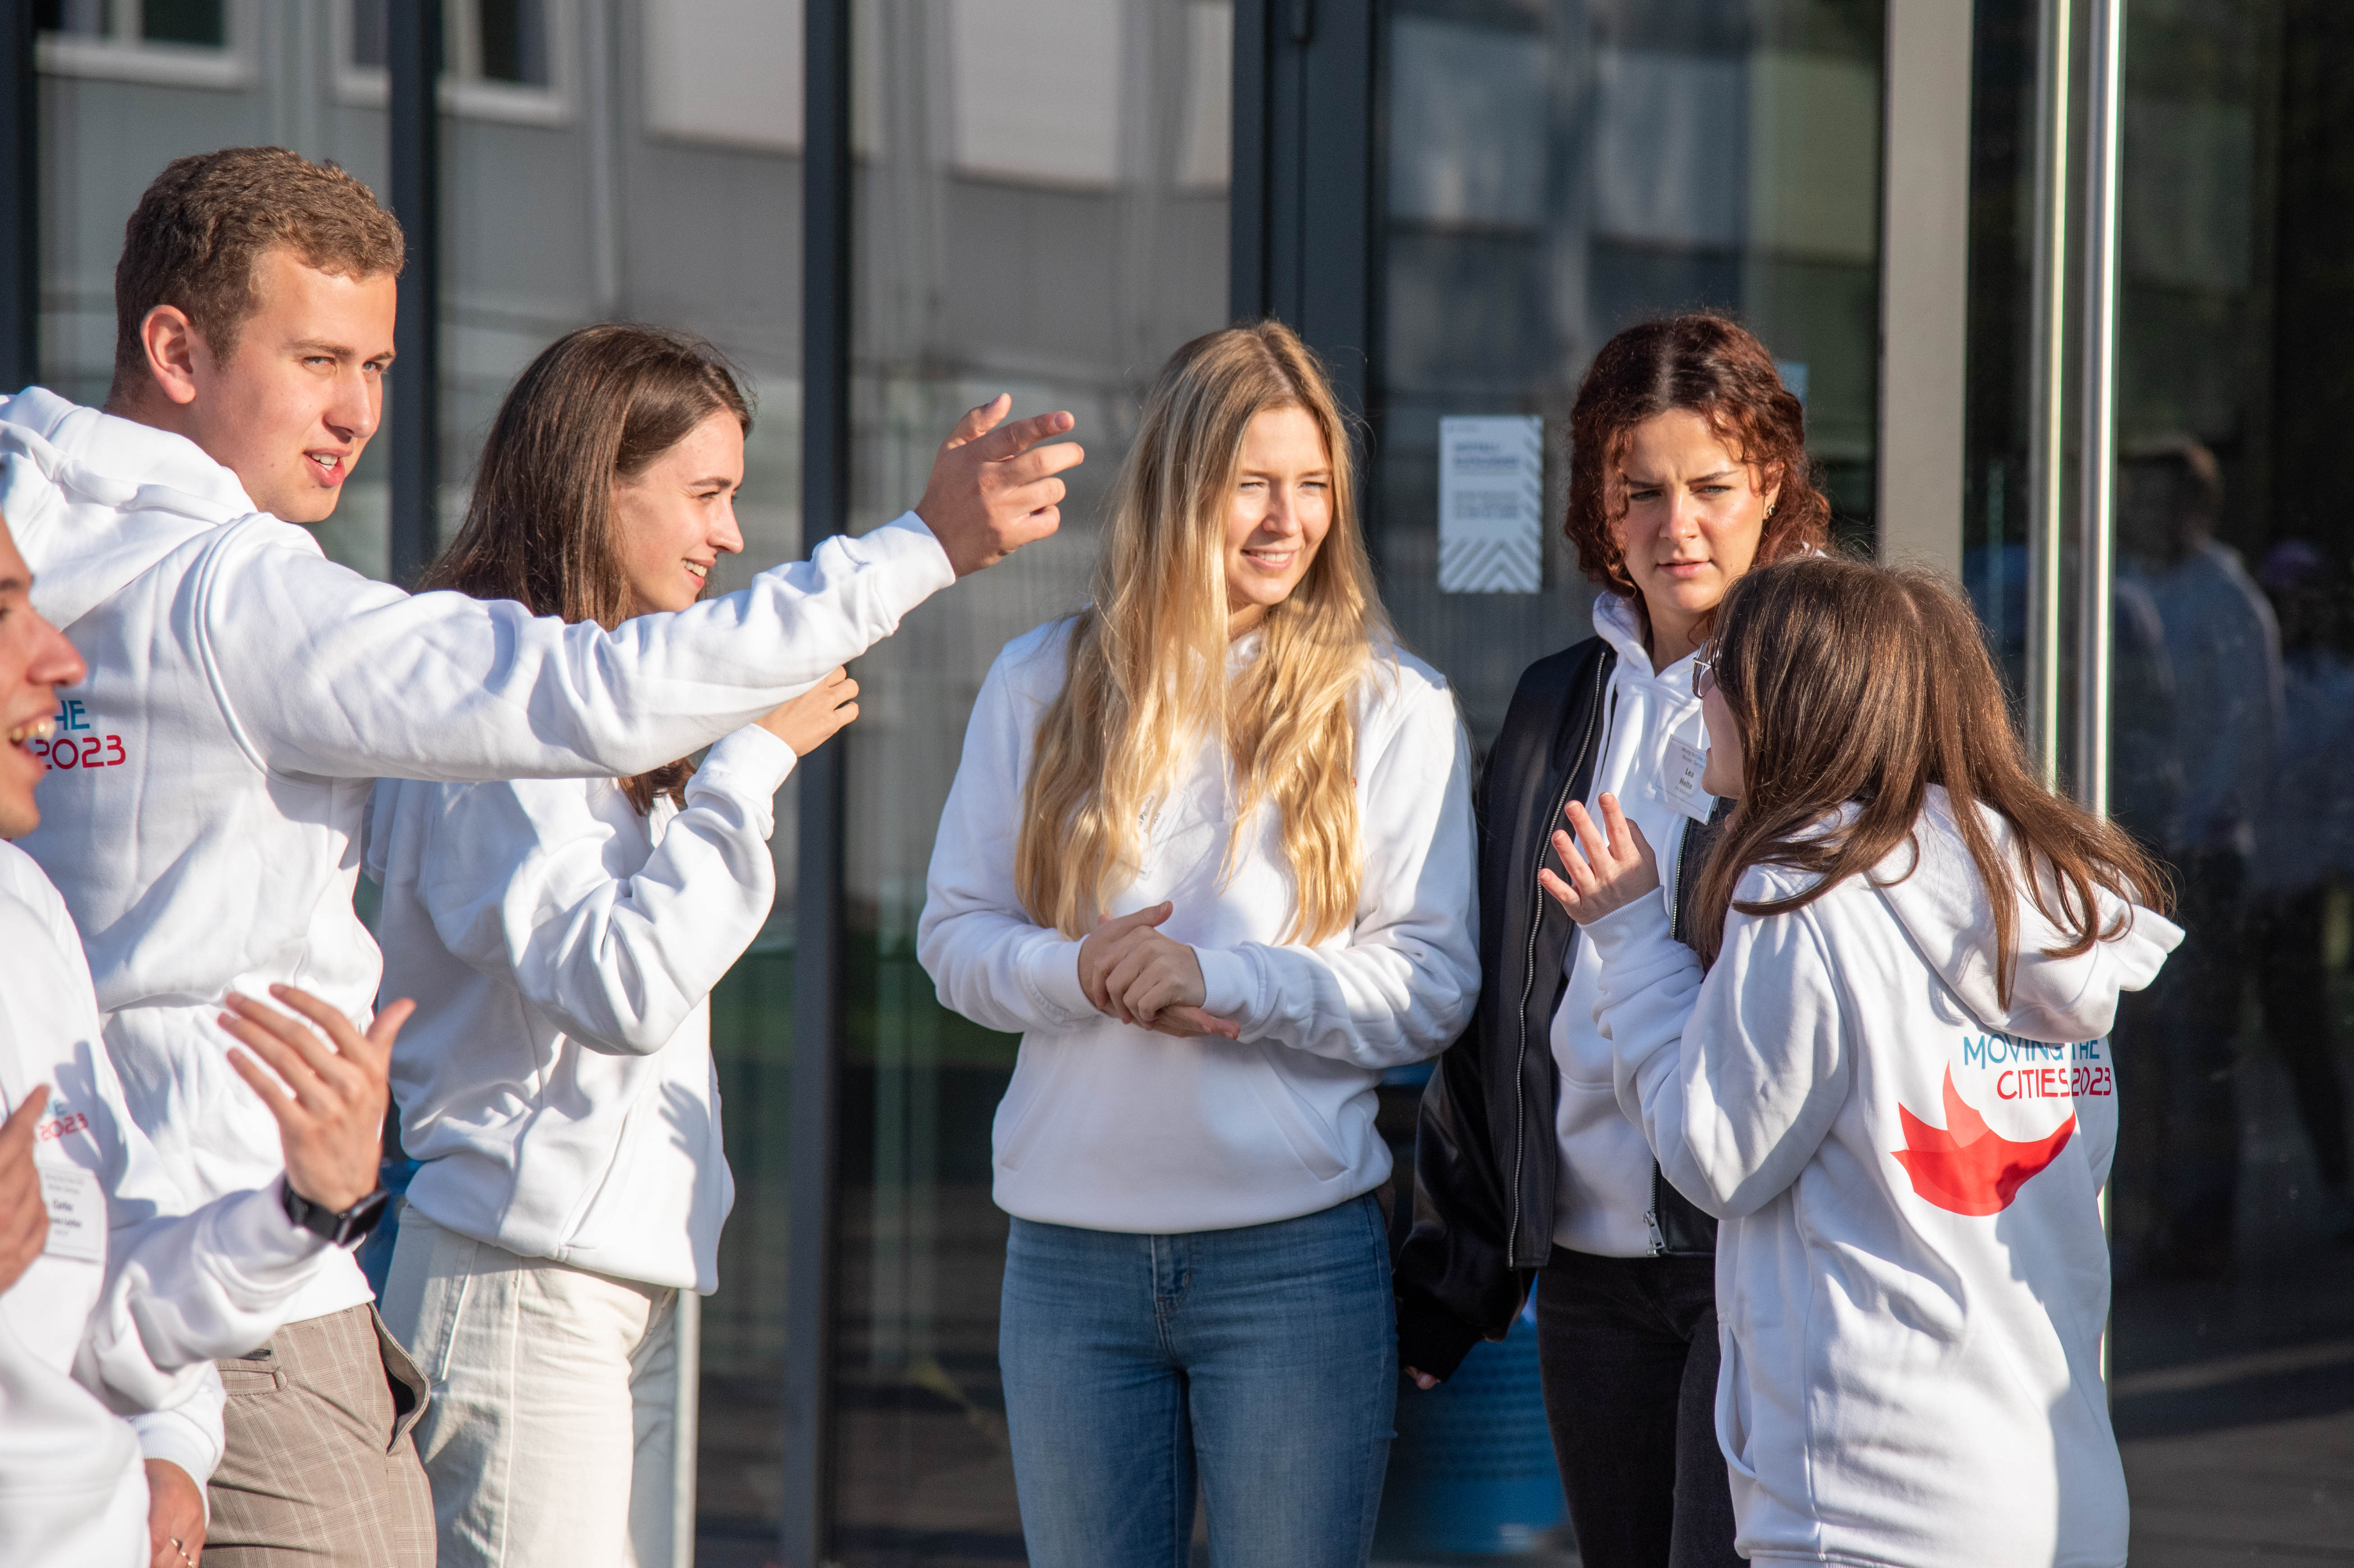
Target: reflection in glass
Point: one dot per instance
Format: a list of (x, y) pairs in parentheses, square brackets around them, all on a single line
[(1040, 208), (2233, 743), (1559, 169)]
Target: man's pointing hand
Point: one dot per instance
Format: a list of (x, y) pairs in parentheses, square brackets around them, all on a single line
[(994, 488)]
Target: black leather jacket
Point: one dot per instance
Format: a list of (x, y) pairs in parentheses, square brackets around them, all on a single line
[(1487, 1163)]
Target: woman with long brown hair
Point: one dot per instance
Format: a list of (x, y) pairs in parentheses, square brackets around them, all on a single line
[(1209, 851), (1688, 467), (1882, 1065), (563, 937)]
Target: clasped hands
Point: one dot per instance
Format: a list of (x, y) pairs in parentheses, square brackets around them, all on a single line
[(1132, 972)]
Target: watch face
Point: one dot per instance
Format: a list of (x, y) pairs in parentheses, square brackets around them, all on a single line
[(355, 1223)]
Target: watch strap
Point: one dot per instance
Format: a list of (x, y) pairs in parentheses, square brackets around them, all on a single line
[(345, 1228)]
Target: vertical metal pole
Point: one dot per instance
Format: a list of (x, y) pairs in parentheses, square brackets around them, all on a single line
[(2047, 453), (2098, 442), (805, 1515), (1246, 206), (415, 49), (20, 200)]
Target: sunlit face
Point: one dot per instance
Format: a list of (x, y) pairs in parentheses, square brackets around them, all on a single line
[(676, 519), (1281, 510), (1695, 515), (34, 661), (301, 391)]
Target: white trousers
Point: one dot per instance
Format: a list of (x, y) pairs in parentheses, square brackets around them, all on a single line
[(551, 1435)]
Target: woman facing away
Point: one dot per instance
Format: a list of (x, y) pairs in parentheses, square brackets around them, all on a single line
[(1885, 1071), (563, 937), (1688, 466), (1209, 850)]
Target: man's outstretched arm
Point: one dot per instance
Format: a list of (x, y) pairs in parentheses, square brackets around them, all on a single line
[(323, 672)]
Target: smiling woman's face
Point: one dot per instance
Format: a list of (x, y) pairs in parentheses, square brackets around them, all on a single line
[(1695, 515), (1281, 512), (676, 519)]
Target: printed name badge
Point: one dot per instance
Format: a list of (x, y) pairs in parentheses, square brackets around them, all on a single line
[(1679, 784), (76, 1205)]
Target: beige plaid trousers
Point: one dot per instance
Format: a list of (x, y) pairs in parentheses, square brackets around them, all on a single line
[(321, 1470)]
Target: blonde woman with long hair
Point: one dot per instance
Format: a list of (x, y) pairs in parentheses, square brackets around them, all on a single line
[(1210, 850)]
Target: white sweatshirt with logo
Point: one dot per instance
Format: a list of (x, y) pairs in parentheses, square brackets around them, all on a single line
[(244, 695), (556, 1079), (133, 1297), (1113, 1127), (1911, 1274), (1603, 1203)]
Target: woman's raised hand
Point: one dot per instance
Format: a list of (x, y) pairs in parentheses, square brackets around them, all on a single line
[(1610, 865), (809, 720), (1132, 972)]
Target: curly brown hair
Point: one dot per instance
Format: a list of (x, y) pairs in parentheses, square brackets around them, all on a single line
[(1708, 366)]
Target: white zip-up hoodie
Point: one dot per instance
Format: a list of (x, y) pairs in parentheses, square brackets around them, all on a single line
[(1911, 1274), (126, 1310), (245, 692), (1603, 1203), (1112, 1128), (557, 1077)]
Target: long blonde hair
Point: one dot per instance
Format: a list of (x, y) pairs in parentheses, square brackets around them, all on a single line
[(1148, 661)]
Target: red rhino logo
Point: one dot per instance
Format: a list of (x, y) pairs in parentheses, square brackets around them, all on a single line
[(1966, 1166)]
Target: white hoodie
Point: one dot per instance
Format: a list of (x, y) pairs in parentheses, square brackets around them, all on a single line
[(245, 692), (1112, 1128), (556, 1079), (1603, 1203), (1911, 1274), (125, 1311)]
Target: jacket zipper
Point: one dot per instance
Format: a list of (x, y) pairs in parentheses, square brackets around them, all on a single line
[(1529, 979)]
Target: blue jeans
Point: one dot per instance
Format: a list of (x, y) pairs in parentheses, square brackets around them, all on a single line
[(1263, 1359)]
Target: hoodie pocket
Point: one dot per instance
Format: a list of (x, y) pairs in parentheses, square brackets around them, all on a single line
[(1311, 1142), (1733, 1407)]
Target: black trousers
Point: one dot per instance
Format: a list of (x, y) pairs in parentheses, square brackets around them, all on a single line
[(1627, 1350)]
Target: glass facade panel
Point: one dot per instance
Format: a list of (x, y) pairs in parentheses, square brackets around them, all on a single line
[(570, 199), (1040, 208), (2232, 756), (1560, 169)]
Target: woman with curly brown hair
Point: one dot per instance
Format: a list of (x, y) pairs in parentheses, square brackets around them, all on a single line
[(1688, 467)]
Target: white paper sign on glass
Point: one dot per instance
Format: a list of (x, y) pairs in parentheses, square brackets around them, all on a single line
[(1491, 504)]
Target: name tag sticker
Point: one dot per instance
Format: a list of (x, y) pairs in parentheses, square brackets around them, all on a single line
[(76, 1205), (1679, 784)]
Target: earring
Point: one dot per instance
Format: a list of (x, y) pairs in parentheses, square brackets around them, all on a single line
[(1769, 511)]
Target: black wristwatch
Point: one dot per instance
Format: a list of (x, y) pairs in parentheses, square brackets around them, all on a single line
[(347, 1229)]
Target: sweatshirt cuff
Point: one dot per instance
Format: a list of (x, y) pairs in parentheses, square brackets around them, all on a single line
[(1629, 927), (751, 762), (252, 1230), (1049, 969), (178, 1435), (907, 538), (1229, 984)]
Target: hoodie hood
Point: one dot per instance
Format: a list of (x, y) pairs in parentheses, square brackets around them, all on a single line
[(1616, 622), (1944, 908), (84, 532)]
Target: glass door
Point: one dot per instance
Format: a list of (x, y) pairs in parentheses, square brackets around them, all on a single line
[(1551, 172), (1559, 169), (2230, 741)]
